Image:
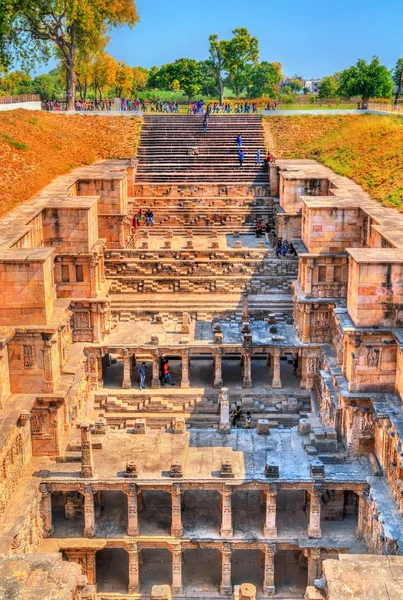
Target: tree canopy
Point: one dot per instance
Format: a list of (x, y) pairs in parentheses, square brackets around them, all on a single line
[(328, 88), (33, 30), (368, 80)]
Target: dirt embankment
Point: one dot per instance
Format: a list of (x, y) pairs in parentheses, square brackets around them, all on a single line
[(36, 147), (366, 148)]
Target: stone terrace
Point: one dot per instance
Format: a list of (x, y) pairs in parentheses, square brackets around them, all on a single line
[(160, 486)]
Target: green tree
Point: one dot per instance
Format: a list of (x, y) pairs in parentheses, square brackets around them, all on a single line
[(46, 86), (296, 84), (306, 90), (368, 80), (209, 81), (398, 79), (32, 30), (241, 55), (218, 51), (287, 90), (184, 74), (265, 79), (15, 83), (328, 88)]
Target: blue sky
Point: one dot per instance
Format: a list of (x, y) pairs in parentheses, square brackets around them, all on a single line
[(311, 38)]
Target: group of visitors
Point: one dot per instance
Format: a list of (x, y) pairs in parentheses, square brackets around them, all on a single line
[(138, 219), (165, 375), (237, 416), (260, 231), (283, 248), (161, 107), (241, 154), (90, 105), (271, 105)]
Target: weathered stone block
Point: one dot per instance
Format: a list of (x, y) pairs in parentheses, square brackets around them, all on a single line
[(176, 470), (226, 470), (263, 427), (317, 469), (179, 425), (161, 592), (140, 426), (131, 470), (272, 470), (304, 427)]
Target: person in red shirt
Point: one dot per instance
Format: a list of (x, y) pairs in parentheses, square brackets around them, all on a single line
[(166, 376)]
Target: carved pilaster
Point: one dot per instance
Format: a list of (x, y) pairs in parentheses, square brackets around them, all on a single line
[(132, 512), (176, 495), (226, 519)]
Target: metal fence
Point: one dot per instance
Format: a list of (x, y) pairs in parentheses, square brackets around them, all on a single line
[(386, 107), (18, 99)]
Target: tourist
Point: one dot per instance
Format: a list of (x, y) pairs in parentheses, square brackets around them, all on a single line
[(295, 365), (166, 376), (239, 141), (149, 218), (291, 250), (248, 420), (284, 248), (259, 230), (139, 218), (142, 372), (278, 248), (236, 415), (241, 155), (258, 157), (267, 232)]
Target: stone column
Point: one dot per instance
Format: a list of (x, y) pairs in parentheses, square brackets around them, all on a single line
[(95, 322), (87, 466), (155, 383), (47, 361), (89, 512), (176, 570), (359, 531), (91, 567), (100, 373), (226, 518), (247, 371), (223, 401), (185, 382), (93, 371), (133, 586), (268, 578), (306, 324), (270, 528), (314, 530), (93, 276), (132, 513), (314, 565), (276, 382), (46, 510), (127, 384), (176, 496), (225, 586), (217, 370)]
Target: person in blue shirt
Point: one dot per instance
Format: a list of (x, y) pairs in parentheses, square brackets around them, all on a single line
[(239, 141), (142, 372), (258, 157), (241, 157)]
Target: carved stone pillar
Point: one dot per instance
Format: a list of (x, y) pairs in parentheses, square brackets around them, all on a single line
[(314, 565), (362, 501), (314, 530), (134, 579), (46, 510), (87, 467), (217, 370), (247, 370), (155, 382), (100, 373), (225, 586), (306, 323), (223, 400), (176, 570), (47, 360), (127, 384), (91, 567), (93, 371), (226, 518), (185, 381), (132, 512), (89, 512), (268, 577), (95, 322), (176, 495), (270, 528), (276, 382)]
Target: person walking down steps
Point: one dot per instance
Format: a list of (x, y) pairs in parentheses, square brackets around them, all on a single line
[(166, 376), (239, 142), (142, 373), (241, 155), (258, 158)]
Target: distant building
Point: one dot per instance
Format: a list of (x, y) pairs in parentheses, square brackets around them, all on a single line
[(313, 85)]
